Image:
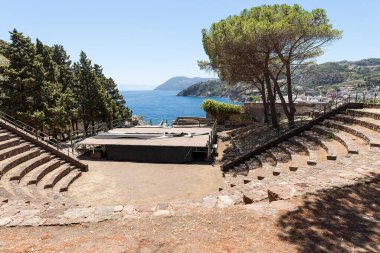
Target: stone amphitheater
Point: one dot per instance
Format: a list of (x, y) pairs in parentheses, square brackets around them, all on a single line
[(339, 149)]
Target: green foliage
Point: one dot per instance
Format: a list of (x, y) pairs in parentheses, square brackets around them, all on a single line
[(246, 117), (264, 44), (255, 99), (40, 86), (329, 136), (220, 111)]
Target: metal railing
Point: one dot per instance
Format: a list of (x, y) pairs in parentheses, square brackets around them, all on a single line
[(73, 136), (79, 135), (268, 133), (36, 134)]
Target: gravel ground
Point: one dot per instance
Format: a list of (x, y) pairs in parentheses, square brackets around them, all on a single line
[(339, 220)]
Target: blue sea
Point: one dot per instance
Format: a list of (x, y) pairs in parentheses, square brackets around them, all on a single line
[(157, 105)]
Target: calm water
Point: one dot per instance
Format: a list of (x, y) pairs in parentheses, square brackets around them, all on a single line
[(164, 105)]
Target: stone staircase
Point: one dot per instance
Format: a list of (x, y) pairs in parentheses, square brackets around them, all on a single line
[(329, 147), (30, 171)]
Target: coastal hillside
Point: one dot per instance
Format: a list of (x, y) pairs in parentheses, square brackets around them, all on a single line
[(338, 74), (180, 83), (217, 88), (323, 77)]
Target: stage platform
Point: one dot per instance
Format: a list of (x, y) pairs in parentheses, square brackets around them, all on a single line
[(153, 144)]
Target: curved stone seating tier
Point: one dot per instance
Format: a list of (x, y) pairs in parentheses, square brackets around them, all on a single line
[(15, 150), (306, 146), (323, 142), (346, 139), (18, 172), (4, 135), (372, 137), (331, 137), (4, 193), (266, 167), (294, 154), (64, 183), (38, 173), (10, 142), (23, 165), (367, 122), (13, 161), (53, 177), (365, 112), (280, 157), (253, 163)]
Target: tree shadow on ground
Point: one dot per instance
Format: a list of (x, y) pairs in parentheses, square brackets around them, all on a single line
[(337, 220)]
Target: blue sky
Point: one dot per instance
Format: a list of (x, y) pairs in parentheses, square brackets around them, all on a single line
[(143, 43)]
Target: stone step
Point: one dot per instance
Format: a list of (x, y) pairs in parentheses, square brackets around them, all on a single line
[(306, 146), (265, 169), (4, 193), (12, 151), (5, 136), (253, 163), (11, 162), (21, 170), (11, 142), (346, 139), (64, 183), (372, 137), (19, 192), (366, 112), (323, 142), (295, 156), (56, 175), (35, 193), (279, 157), (41, 171), (370, 123)]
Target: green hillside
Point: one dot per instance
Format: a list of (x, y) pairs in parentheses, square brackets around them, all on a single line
[(322, 78), (180, 83), (338, 74)]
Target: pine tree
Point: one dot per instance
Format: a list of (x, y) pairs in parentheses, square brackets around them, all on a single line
[(21, 91), (40, 86)]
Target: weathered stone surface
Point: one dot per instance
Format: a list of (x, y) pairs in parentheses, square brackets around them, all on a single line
[(118, 208), (4, 221), (15, 222), (162, 213), (261, 209), (29, 213), (35, 221), (280, 192), (283, 205), (77, 213), (225, 200), (209, 202), (128, 209), (161, 206)]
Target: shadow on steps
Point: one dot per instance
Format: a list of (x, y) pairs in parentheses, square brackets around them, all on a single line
[(337, 220)]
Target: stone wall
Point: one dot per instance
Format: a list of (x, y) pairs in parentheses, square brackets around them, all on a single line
[(256, 109)]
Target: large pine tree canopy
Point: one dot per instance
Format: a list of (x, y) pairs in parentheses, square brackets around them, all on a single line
[(40, 86)]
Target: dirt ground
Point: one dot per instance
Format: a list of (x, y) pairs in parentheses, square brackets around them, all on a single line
[(144, 183), (339, 220)]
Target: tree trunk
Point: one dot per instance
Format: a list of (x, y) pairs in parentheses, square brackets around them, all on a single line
[(272, 102), (265, 104), (292, 108)]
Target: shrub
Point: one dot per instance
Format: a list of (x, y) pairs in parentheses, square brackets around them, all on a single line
[(329, 136), (220, 111)]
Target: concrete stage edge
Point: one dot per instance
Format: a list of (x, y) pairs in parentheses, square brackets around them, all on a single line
[(181, 149)]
